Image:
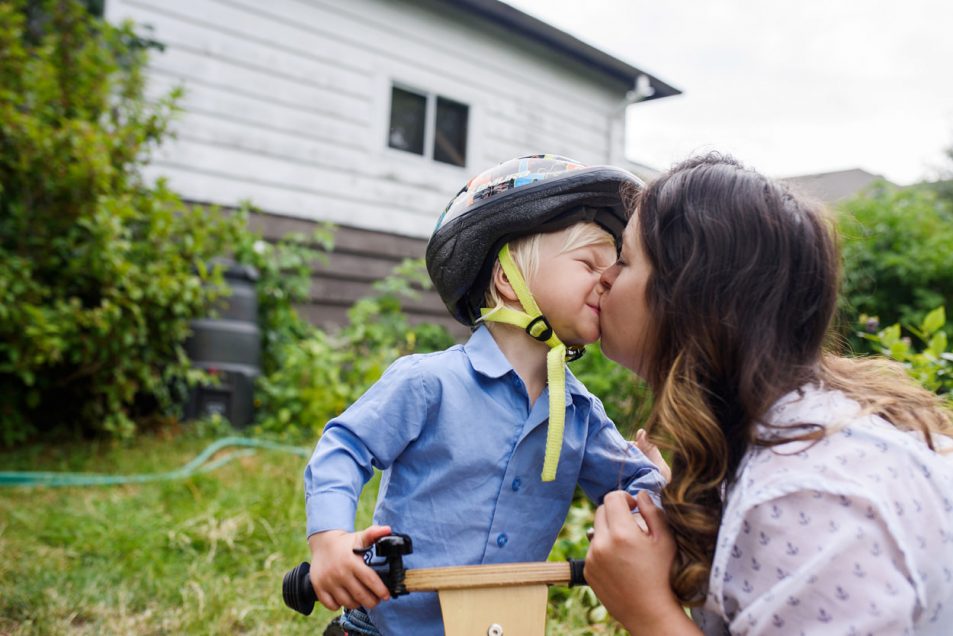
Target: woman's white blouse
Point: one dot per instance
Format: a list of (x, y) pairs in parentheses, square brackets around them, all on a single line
[(850, 535)]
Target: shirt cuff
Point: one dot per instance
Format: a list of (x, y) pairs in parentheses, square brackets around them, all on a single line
[(330, 511)]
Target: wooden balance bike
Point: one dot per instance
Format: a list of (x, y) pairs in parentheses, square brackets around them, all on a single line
[(476, 600)]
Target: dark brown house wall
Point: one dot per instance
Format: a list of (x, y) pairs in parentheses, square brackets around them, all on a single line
[(359, 258)]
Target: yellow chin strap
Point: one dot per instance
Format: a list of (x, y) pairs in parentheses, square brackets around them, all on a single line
[(536, 325)]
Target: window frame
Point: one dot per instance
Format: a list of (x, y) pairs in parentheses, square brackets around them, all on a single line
[(430, 123)]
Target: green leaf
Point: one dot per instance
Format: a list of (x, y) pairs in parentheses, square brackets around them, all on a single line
[(937, 344), (898, 350), (934, 321)]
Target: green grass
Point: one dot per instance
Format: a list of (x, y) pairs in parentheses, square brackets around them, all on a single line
[(203, 555)]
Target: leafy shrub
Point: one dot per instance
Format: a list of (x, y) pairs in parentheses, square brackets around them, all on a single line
[(578, 607), (284, 280), (626, 397), (897, 246), (316, 376), (930, 363), (100, 273)]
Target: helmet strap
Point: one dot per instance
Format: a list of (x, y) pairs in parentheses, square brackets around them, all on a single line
[(535, 324)]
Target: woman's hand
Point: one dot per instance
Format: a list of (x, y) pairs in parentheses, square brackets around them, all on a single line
[(628, 567)]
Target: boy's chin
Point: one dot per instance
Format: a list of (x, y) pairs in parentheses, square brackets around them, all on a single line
[(581, 341)]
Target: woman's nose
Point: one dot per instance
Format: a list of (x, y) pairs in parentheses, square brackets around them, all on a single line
[(608, 277)]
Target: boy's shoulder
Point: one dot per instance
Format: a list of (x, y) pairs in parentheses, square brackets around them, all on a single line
[(434, 363), (575, 387)]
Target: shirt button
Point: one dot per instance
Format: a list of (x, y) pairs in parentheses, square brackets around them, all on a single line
[(502, 539), (517, 483)]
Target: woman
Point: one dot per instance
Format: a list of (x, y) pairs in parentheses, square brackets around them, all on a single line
[(810, 493)]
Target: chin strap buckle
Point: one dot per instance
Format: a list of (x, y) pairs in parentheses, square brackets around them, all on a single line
[(574, 352), (547, 330)]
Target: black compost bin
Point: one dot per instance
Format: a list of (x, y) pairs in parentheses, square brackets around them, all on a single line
[(228, 347)]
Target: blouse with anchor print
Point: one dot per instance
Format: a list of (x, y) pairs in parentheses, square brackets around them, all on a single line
[(850, 535)]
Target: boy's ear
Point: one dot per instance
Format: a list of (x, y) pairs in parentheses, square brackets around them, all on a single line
[(502, 283)]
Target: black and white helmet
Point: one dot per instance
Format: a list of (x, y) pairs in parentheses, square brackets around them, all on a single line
[(527, 195)]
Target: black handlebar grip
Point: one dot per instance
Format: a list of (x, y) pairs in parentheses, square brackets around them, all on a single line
[(297, 590), (576, 576)]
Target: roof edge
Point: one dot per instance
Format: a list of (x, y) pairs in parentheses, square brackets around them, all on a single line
[(512, 18)]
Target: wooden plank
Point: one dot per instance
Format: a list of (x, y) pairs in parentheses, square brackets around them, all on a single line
[(209, 186), (198, 33), (261, 24), (257, 115), (225, 132), (362, 257), (314, 176), (195, 67), (348, 240), (343, 291), (331, 317), (495, 575), (518, 610)]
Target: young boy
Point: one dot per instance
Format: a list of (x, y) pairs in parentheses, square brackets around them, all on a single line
[(482, 445)]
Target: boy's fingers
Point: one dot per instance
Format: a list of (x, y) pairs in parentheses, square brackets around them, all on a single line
[(367, 597), (368, 536), (370, 581), (327, 600), (343, 597), (653, 515)]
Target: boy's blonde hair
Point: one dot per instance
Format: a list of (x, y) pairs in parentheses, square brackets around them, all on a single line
[(525, 253)]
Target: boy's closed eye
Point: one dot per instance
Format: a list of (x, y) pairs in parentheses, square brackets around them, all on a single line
[(589, 263)]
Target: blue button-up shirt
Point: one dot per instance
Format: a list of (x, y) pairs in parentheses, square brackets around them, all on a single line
[(461, 450)]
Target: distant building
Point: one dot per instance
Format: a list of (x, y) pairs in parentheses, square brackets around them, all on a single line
[(371, 114), (831, 187)]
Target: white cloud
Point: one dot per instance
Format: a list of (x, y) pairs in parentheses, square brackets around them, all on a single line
[(791, 88)]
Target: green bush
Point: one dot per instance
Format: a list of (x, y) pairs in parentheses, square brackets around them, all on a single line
[(316, 375), (626, 397), (284, 280), (100, 273), (930, 362), (897, 255)]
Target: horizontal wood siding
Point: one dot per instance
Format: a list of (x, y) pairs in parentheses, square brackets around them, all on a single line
[(358, 260), (287, 102)]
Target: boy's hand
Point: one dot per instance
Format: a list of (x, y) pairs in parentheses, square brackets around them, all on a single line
[(653, 454), (339, 576)]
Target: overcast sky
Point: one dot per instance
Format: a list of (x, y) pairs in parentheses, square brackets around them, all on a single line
[(789, 88)]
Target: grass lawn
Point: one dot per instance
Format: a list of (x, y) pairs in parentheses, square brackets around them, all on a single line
[(203, 555)]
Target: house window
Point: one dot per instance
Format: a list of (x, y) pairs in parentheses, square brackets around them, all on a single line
[(428, 125)]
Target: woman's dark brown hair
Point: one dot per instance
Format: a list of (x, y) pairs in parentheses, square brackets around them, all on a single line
[(742, 294)]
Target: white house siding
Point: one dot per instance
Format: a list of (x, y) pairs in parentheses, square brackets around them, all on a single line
[(287, 104)]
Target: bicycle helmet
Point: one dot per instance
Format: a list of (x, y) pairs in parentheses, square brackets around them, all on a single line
[(526, 195)]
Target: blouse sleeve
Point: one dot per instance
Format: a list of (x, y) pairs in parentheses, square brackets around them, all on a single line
[(817, 563)]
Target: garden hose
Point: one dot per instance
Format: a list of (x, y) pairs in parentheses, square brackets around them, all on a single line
[(196, 466)]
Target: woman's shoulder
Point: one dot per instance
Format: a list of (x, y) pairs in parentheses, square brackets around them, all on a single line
[(863, 476), (861, 458), (856, 454)]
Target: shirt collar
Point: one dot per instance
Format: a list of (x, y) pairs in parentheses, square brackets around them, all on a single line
[(487, 359), (485, 355)]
